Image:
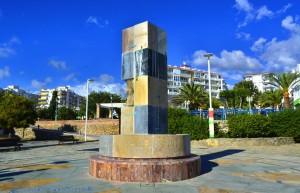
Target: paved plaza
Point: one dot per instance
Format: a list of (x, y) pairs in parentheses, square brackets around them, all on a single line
[(46, 166)]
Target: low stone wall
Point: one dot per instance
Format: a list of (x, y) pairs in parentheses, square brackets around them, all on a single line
[(95, 127), (37, 134), (242, 142)]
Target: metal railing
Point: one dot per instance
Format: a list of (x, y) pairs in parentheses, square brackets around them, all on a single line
[(223, 114)]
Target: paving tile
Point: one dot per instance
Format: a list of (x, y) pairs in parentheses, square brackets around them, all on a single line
[(65, 169)]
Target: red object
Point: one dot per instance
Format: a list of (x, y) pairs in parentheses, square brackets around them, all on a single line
[(211, 113), (145, 170)]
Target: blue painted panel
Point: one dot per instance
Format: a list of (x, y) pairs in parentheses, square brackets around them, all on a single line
[(144, 62), (151, 120)]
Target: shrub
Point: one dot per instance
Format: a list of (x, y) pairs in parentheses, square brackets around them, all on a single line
[(250, 126), (180, 122), (68, 128), (286, 123)]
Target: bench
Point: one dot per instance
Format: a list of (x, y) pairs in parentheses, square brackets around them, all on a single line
[(9, 142), (66, 138)]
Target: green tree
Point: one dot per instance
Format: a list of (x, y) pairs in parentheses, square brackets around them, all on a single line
[(248, 85), (244, 89), (193, 93), (65, 113), (228, 96), (16, 112), (284, 81), (43, 113), (241, 94), (271, 98), (52, 106)]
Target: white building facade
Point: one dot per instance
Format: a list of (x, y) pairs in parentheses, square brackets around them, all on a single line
[(295, 91), (261, 81), (20, 92), (65, 98), (178, 76)]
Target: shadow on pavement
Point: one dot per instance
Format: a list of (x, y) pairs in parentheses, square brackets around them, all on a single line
[(207, 165), (92, 149), (4, 175)]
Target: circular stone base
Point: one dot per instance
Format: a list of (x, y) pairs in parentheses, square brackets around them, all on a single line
[(145, 170)]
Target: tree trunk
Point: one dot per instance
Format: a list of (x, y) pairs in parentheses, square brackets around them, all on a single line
[(241, 101), (286, 99)]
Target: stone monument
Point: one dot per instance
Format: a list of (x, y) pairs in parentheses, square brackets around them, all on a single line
[(144, 152)]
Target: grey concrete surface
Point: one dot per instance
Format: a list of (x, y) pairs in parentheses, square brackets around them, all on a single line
[(46, 166)]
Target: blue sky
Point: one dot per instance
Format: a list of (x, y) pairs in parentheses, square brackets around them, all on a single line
[(45, 44)]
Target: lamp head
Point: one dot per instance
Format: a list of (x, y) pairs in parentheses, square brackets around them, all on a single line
[(208, 55)]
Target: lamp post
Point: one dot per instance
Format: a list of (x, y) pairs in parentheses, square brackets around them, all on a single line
[(210, 110), (86, 106), (249, 99), (111, 109), (56, 104)]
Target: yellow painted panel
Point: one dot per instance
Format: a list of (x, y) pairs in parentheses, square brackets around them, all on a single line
[(150, 146), (141, 90), (127, 120)]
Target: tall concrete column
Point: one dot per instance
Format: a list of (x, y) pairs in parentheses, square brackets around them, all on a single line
[(144, 68), (97, 110), (145, 152)]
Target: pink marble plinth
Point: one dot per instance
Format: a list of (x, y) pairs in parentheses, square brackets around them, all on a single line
[(145, 170)]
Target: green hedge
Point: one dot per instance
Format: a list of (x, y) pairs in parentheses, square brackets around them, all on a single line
[(246, 125), (286, 123), (180, 122), (282, 124)]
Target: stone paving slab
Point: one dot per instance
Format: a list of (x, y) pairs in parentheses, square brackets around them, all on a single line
[(49, 167)]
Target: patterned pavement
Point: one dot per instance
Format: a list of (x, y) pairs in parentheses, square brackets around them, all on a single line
[(46, 166)]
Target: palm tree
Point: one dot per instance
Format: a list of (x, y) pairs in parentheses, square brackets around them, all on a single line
[(285, 81), (192, 93), (271, 98)]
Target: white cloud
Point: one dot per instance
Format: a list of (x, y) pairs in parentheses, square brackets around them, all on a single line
[(60, 65), (258, 45), (15, 40), (6, 48), (288, 23), (71, 77), (283, 55), (92, 20), (97, 21), (255, 14), (4, 72), (243, 35), (6, 52), (40, 85), (105, 78), (285, 8), (263, 11), (232, 65), (234, 60), (37, 84), (48, 79), (97, 86), (243, 5)]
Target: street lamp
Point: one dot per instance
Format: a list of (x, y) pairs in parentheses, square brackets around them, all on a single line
[(86, 107), (211, 110), (249, 99), (56, 104), (111, 109)]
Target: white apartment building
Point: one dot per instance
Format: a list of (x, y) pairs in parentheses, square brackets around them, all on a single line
[(261, 80), (20, 92), (178, 76), (295, 90), (65, 98)]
